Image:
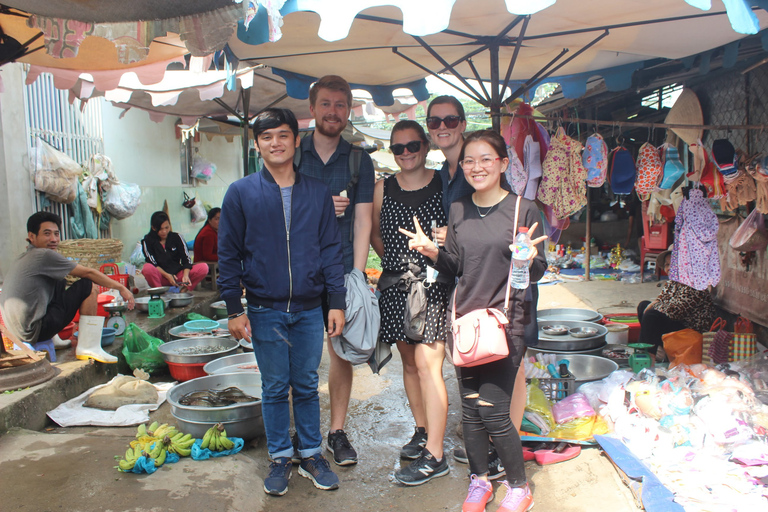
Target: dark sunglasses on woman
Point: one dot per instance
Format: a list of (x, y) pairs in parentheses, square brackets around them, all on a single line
[(433, 123), (412, 147)]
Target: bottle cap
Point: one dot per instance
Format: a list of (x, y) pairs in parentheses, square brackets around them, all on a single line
[(522, 229)]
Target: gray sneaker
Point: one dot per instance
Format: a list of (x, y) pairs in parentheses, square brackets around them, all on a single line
[(413, 448), (340, 447), (422, 470)]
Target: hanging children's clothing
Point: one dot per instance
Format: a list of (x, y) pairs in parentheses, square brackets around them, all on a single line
[(695, 258), (563, 181)]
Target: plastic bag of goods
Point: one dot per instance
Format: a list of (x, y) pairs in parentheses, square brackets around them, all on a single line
[(122, 199), (55, 174), (202, 169)]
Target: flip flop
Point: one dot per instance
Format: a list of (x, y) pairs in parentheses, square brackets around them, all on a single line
[(528, 454)]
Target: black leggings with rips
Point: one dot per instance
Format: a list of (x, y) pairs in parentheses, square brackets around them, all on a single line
[(486, 392)]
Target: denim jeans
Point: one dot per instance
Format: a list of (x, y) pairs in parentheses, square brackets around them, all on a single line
[(288, 348)]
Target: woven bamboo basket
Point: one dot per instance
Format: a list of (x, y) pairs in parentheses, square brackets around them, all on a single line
[(91, 253)]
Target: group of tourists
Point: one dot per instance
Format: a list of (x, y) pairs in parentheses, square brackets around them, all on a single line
[(289, 234)]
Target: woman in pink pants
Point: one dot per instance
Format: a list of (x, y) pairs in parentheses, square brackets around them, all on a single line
[(167, 258)]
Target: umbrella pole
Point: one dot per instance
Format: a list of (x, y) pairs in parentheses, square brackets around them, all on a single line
[(495, 91), (246, 95)]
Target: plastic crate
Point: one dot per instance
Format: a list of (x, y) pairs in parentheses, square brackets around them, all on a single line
[(657, 236), (556, 389), (114, 275)]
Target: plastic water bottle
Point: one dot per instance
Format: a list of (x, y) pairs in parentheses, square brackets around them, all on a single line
[(520, 251)]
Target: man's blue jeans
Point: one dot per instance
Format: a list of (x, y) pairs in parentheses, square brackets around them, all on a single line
[(288, 348)]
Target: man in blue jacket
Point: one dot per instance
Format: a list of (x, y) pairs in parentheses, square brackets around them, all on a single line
[(279, 238)]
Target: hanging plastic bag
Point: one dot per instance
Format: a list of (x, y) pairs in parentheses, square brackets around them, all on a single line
[(751, 234), (198, 213), (55, 173), (202, 169), (121, 199), (140, 350), (137, 256)]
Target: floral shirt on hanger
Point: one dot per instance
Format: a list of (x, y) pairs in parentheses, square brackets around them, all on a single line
[(695, 258)]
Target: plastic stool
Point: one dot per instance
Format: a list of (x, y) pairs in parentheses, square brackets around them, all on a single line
[(46, 345)]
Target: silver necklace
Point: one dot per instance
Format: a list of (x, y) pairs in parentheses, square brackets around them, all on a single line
[(483, 215)]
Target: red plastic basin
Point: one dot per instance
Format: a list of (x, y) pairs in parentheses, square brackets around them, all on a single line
[(67, 332), (186, 371), (628, 319)]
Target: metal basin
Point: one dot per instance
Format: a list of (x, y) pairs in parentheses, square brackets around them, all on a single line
[(176, 332), (179, 300), (240, 420), (238, 363), (589, 352), (174, 351), (220, 307), (569, 342), (115, 307), (590, 368), (142, 303), (576, 314)]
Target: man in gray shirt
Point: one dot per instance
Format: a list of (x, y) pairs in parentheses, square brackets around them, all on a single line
[(35, 302)]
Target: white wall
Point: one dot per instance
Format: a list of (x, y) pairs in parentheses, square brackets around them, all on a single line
[(149, 154)]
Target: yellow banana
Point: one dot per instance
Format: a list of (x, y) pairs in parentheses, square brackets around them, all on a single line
[(160, 459), (161, 430)]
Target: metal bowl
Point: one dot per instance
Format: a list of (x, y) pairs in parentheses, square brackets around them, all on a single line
[(176, 332), (115, 307), (179, 300), (240, 420), (220, 307), (597, 351), (590, 368), (158, 290), (583, 332), (554, 330), (170, 350), (142, 303), (577, 314), (238, 363)]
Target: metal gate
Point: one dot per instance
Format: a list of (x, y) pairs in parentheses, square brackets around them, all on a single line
[(73, 128)]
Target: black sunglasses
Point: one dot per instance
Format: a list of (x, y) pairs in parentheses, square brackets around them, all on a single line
[(412, 147), (433, 123)]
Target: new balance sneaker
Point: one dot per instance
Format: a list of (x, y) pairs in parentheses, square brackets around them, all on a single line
[(518, 499), (296, 458), (317, 469), (460, 455), (276, 483), (495, 467), (339, 446), (422, 470), (412, 449), (480, 493)]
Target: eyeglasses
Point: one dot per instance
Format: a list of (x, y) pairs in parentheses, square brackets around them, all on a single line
[(484, 163), (412, 147), (433, 123)]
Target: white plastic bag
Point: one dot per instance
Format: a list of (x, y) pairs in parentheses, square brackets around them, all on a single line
[(55, 173), (198, 213), (202, 169), (122, 199)]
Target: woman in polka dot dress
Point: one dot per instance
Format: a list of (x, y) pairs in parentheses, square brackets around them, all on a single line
[(414, 192)]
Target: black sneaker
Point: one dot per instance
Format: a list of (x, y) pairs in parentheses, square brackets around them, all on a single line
[(412, 450), (495, 467), (296, 458), (460, 455), (338, 445), (276, 483), (317, 469), (422, 470)]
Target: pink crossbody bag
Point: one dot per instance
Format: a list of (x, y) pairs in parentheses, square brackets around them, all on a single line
[(480, 337)]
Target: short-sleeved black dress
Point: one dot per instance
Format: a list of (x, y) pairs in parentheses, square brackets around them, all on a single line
[(397, 211)]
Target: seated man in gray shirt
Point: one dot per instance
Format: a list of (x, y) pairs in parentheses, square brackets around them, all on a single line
[(35, 302)]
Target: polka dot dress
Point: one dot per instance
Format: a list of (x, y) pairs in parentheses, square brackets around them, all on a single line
[(397, 211)]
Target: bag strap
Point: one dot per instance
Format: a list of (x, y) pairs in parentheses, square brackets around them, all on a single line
[(718, 324), (509, 276)]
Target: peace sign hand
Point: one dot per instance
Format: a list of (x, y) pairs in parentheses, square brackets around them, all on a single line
[(534, 252), (420, 242)]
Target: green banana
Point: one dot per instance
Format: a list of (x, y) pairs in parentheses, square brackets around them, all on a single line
[(142, 431), (157, 448), (153, 427), (226, 443), (207, 438), (184, 452), (160, 459), (125, 465)]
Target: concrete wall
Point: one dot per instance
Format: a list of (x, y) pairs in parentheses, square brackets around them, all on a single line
[(149, 154), (16, 198)]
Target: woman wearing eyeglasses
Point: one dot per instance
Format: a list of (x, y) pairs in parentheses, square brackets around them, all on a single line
[(477, 250), (414, 192)]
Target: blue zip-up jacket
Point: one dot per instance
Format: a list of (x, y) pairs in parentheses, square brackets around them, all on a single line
[(280, 270)]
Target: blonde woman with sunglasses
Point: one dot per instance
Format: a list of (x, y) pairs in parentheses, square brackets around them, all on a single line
[(414, 192), (477, 249)]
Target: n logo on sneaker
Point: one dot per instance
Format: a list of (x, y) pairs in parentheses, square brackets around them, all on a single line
[(426, 470)]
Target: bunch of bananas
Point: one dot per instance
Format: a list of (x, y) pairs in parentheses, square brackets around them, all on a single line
[(155, 442), (215, 439)]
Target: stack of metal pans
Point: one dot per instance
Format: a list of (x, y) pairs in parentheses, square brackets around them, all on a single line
[(570, 331)]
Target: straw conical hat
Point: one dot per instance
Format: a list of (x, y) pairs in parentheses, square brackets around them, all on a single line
[(686, 110)]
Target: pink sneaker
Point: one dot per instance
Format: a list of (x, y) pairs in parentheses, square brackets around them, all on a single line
[(518, 499), (480, 493)]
